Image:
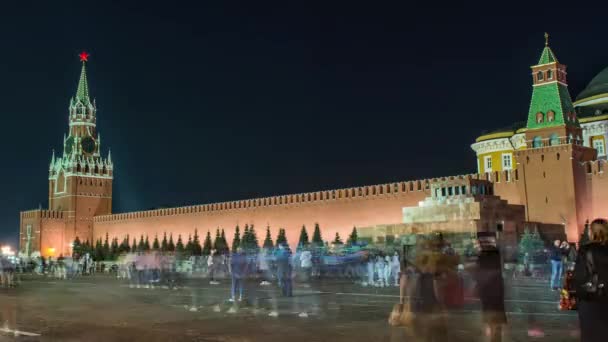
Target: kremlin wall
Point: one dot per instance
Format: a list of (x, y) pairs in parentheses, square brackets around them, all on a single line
[(546, 173)]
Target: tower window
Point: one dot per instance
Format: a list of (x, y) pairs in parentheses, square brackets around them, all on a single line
[(539, 117), (539, 76), (549, 74), (537, 142), (550, 116)]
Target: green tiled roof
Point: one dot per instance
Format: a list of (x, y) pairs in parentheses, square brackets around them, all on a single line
[(554, 97), (547, 56)]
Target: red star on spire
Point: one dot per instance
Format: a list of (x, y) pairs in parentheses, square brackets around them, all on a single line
[(84, 57)]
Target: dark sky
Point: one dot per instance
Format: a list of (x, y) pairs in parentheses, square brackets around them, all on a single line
[(220, 100)]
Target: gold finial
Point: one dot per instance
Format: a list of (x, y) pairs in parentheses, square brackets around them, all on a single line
[(546, 39)]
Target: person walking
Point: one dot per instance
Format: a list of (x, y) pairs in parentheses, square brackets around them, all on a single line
[(284, 270), (212, 267), (388, 269), (591, 281), (395, 268), (379, 268), (263, 263), (238, 265), (370, 270), (555, 257), (490, 286), (306, 265)]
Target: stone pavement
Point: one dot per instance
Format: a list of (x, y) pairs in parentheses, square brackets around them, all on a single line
[(101, 308)]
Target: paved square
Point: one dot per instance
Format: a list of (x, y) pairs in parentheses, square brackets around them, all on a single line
[(102, 308)]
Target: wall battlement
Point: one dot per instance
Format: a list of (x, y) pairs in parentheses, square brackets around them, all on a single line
[(42, 213)]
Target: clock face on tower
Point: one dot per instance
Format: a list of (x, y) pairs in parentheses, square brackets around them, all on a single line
[(88, 145)]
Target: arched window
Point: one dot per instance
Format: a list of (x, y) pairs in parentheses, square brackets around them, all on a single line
[(570, 138), (539, 76), (549, 74), (554, 140), (537, 142), (539, 117), (550, 116)]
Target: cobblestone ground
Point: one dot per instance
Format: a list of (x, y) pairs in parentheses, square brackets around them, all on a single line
[(102, 308)]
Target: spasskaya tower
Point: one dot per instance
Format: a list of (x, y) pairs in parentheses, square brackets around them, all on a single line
[(80, 179)]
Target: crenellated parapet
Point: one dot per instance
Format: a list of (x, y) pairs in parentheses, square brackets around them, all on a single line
[(43, 214)]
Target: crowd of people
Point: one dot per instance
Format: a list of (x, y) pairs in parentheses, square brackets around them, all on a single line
[(433, 279)]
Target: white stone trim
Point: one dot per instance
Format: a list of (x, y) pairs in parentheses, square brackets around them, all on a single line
[(492, 145)]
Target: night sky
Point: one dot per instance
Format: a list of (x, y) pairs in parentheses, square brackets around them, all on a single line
[(222, 101)]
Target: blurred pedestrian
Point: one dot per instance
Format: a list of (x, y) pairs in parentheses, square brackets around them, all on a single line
[(395, 268), (306, 265), (238, 264), (490, 286), (284, 270), (555, 257), (591, 279)]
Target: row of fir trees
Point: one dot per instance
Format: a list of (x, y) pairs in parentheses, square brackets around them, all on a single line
[(248, 241)]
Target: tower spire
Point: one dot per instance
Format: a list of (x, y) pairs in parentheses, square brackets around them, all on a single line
[(547, 56), (82, 93)]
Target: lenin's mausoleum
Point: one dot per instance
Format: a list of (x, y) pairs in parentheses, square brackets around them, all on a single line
[(547, 173)]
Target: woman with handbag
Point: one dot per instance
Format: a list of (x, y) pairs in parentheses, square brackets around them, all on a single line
[(591, 278)]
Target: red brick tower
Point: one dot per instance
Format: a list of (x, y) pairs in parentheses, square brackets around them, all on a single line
[(80, 181), (554, 187)]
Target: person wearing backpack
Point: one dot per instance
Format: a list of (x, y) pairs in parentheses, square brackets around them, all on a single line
[(591, 279)]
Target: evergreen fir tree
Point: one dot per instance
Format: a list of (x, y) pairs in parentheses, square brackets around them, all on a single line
[(197, 250), (122, 248), (179, 247), (352, 239), (141, 246), (106, 248), (189, 246), (268, 240), (236, 242), (114, 249), (225, 248), (207, 245), (164, 245), (156, 244), (337, 240), (147, 244), (254, 244), (303, 240), (317, 240), (86, 248), (134, 246), (76, 248), (281, 238), (127, 247), (98, 254), (530, 243), (217, 242), (246, 240), (171, 245)]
